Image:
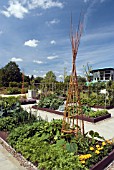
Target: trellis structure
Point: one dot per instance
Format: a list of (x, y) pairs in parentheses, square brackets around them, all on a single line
[(73, 105)]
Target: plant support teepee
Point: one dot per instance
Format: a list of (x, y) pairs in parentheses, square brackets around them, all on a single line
[(71, 123)]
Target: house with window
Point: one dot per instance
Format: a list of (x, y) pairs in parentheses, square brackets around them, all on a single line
[(104, 74)]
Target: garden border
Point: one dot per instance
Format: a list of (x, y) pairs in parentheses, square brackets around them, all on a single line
[(85, 118)]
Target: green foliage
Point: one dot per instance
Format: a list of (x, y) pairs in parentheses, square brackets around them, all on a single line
[(48, 156), (11, 73), (50, 77), (97, 99), (97, 113), (91, 113), (87, 111), (38, 79), (13, 90), (43, 144), (94, 136), (47, 131), (12, 115), (52, 101), (19, 85)]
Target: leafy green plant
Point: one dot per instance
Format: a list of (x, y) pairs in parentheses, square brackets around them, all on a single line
[(52, 101), (12, 115), (43, 144)]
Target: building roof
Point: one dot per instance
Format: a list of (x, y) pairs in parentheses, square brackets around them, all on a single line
[(102, 69)]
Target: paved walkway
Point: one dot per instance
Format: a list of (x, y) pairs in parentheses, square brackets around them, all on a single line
[(7, 161)]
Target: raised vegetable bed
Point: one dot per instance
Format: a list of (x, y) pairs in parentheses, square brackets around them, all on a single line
[(85, 118), (104, 162), (94, 120), (104, 107)]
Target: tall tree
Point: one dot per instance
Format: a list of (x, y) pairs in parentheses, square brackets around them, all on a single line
[(11, 73)]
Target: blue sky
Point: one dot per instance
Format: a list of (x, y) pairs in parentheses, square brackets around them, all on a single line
[(35, 34)]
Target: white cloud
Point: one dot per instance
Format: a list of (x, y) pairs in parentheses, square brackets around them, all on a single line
[(15, 9), (43, 75), (44, 4), (52, 57), (37, 61), (52, 22), (61, 76), (53, 42), (16, 59), (18, 8), (31, 43)]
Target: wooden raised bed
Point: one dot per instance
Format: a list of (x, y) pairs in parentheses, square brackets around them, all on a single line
[(98, 166), (104, 107), (94, 120), (104, 162), (85, 118), (4, 135), (48, 110)]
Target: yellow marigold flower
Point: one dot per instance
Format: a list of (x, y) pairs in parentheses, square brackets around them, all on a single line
[(81, 157), (103, 143), (83, 162), (91, 148), (84, 157), (101, 148), (97, 146), (97, 152), (89, 155)]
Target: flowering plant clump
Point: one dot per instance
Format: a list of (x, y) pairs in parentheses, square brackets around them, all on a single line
[(96, 153)]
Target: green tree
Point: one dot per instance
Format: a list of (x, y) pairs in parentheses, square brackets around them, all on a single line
[(27, 79), (49, 78), (11, 73), (67, 79), (81, 80), (48, 82), (38, 79)]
